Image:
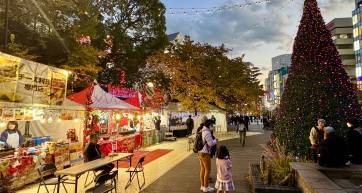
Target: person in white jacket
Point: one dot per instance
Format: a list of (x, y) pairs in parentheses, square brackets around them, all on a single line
[(316, 137), (205, 157)]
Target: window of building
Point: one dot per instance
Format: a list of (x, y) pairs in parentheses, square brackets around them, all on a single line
[(345, 46), (356, 45), (358, 72), (347, 56), (343, 36), (355, 32), (354, 19)]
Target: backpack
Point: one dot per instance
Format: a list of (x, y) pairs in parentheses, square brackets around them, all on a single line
[(199, 142)]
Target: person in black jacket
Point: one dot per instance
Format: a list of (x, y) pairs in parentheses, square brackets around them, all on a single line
[(91, 153), (332, 151), (354, 141)]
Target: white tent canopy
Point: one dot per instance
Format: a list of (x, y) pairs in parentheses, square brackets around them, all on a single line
[(100, 99), (103, 100)]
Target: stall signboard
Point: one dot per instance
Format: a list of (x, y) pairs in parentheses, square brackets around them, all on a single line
[(23, 81)]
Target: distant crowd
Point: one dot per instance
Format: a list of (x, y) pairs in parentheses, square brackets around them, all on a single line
[(246, 120)]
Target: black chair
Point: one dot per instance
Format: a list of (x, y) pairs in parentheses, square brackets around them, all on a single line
[(106, 187), (48, 170), (134, 172), (86, 184)]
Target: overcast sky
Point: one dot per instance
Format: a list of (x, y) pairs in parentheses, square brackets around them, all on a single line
[(260, 29)]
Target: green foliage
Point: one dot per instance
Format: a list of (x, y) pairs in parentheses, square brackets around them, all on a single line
[(135, 28), (317, 85)]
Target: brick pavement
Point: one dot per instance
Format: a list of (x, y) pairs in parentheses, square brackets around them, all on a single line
[(184, 177)]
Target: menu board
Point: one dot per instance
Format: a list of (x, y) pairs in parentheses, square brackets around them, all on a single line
[(24, 81)]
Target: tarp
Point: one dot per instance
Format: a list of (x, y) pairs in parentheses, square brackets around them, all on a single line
[(100, 99)]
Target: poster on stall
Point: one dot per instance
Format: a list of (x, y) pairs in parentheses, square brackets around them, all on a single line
[(29, 82), (19, 114), (28, 114), (8, 114)]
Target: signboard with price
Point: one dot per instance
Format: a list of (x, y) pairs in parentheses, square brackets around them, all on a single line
[(24, 81)]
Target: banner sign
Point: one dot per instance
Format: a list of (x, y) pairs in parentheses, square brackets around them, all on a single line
[(122, 92), (23, 81)]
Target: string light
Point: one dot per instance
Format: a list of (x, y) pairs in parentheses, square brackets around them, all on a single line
[(193, 11), (215, 9)]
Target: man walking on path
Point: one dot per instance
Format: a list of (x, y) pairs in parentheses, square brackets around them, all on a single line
[(190, 125), (246, 122), (242, 132)]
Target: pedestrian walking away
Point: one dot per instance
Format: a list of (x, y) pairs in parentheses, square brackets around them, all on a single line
[(190, 125), (246, 122), (242, 133)]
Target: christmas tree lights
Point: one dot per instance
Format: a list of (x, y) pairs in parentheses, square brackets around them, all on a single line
[(317, 85)]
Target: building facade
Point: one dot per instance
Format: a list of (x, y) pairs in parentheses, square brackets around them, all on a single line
[(342, 35), (275, 83), (357, 40)]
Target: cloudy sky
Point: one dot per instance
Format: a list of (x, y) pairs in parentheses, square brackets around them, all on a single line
[(260, 29)]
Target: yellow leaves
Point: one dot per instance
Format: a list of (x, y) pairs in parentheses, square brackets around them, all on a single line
[(200, 74)]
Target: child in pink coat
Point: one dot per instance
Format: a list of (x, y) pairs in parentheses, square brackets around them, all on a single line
[(224, 181)]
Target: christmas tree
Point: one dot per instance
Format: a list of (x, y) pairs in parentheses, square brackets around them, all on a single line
[(317, 85)]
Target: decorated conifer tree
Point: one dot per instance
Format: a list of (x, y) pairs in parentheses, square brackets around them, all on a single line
[(317, 85)]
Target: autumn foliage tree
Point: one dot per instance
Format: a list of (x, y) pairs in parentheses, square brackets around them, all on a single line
[(200, 74)]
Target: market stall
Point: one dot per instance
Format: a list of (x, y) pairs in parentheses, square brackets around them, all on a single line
[(118, 123), (175, 117), (37, 124), (150, 111)]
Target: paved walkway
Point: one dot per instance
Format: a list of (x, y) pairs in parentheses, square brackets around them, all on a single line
[(184, 177), (179, 168)]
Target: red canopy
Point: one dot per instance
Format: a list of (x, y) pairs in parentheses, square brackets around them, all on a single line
[(129, 95), (100, 99)]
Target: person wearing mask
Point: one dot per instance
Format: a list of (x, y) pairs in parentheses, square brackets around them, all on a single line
[(91, 153), (332, 151), (354, 141), (204, 156), (316, 137), (12, 137)]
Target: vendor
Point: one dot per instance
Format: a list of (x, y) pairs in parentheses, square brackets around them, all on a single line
[(12, 136)]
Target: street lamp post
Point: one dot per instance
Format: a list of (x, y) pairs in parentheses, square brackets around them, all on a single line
[(6, 24)]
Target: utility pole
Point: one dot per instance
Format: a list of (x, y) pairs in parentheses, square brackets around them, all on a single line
[(6, 24)]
